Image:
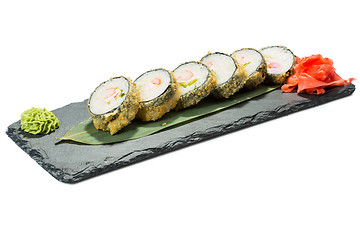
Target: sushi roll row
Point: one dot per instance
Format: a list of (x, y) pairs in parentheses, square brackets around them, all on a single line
[(116, 102)]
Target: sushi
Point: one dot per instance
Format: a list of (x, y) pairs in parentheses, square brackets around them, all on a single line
[(159, 93), (280, 63), (195, 81), (254, 64), (114, 104), (230, 77)]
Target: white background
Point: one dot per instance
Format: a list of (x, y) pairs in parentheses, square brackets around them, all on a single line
[(296, 177)]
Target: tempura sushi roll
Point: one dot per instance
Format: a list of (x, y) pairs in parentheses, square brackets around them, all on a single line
[(280, 63), (159, 93), (230, 77), (195, 82), (113, 104), (254, 64)]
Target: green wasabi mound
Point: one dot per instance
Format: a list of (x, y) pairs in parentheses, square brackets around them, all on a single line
[(38, 121)]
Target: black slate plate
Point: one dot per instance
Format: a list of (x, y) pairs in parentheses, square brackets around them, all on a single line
[(72, 162)]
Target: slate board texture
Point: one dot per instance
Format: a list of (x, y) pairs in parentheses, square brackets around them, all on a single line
[(72, 162)]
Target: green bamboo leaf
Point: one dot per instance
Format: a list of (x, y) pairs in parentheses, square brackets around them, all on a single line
[(86, 133)]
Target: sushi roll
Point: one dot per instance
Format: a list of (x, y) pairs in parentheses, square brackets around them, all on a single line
[(254, 64), (195, 82), (280, 63), (159, 93), (230, 77), (114, 104)]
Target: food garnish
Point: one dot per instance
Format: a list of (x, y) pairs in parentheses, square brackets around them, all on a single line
[(38, 120), (313, 74)]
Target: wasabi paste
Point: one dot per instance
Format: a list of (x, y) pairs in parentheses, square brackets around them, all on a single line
[(37, 120)]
